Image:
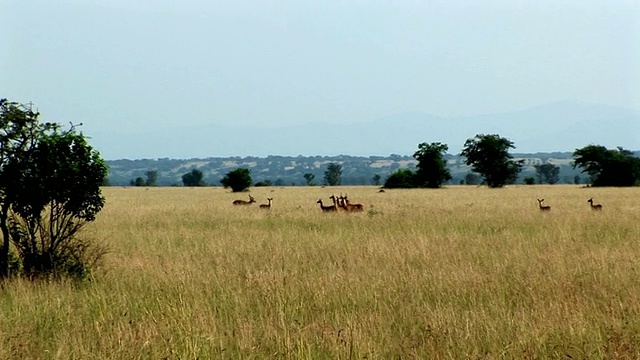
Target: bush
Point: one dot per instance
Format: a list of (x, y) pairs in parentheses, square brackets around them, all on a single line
[(401, 179), (238, 180)]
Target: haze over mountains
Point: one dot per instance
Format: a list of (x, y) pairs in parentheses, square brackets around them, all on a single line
[(560, 126)]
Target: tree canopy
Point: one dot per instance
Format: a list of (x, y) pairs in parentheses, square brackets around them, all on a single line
[(333, 174), (238, 180), (489, 156), (193, 178), (547, 173), (50, 184), (401, 179), (615, 167), (432, 170)]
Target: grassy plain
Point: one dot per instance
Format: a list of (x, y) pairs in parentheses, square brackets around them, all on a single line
[(460, 272)]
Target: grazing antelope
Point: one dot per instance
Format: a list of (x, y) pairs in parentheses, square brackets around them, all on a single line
[(326, 208), (543, 207), (349, 206), (596, 207), (266, 206), (243, 202)]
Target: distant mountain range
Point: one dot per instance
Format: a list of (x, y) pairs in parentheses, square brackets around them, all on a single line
[(561, 126)]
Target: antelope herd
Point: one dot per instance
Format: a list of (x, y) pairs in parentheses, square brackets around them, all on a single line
[(343, 204), (595, 207), (340, 203)]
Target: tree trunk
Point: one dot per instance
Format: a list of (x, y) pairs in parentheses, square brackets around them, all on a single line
[(4, 256)]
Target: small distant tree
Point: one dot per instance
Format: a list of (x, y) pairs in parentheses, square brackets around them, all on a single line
[(489, 156), (264, 183), (193, 178), (139, 181), (529, 180), (308, 178), (472, 178), (401, 179), (152, 178), (432, 170), (238, 180), (333, 174), (376, 179), (547, 173), (618, 167)]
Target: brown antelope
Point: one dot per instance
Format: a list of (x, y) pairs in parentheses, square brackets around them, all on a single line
[(266, 206), (337, 202), (243, 202), (326, 208), (596, 207), (543, 207), (349, 206)]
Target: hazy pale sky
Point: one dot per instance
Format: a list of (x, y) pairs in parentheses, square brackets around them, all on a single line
[(130, 65)]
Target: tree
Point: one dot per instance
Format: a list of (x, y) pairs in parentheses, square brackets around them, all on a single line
[(333, 174), (529, 180), (376, 179), (606, 167), (152, 178), (432, 169), (19, 133), (472, 178), (308, 177), (489, 156), (193, 178), (49, 212), (139, 181), (401, 179), (50, 188), (547, 173), (264, 183), (238, 180)]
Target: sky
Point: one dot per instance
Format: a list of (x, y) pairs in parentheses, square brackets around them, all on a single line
[(128, 66)]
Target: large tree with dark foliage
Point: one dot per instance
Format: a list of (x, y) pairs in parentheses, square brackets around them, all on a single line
[(193, 178), (238, 180), (49, 189), (333, 174), (617, 167), (432, 170), (489, 156), (547, 173)]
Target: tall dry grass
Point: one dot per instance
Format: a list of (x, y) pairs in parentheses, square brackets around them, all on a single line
[(460, 272)]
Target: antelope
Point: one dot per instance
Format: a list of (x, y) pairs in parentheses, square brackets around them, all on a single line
[(243, 202), (596, 207), (349, 206), (543, 207), (326, 208), (266, 206), (337, 202)]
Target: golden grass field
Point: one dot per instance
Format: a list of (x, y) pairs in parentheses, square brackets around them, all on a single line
[(455, 273)]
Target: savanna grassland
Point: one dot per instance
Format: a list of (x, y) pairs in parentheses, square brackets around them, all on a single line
[(460, 272)]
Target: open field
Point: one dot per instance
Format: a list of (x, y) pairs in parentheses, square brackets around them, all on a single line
[(460, 272)]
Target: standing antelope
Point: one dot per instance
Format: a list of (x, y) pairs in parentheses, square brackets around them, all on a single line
[(596, 207), (243, 202), (543, 207), (326, 208), (266, 206), (338, 203), (349, 206)]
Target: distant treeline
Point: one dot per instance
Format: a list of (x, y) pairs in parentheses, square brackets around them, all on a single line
[(290, 170)]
